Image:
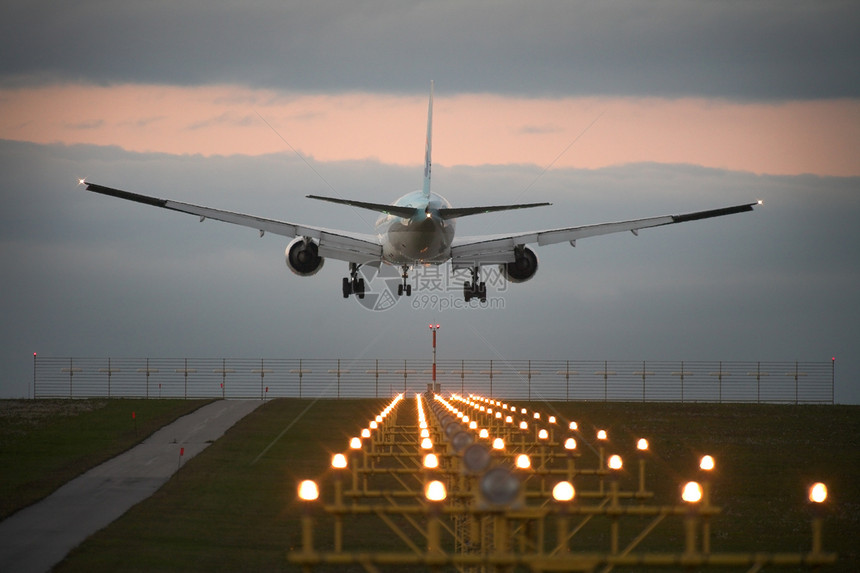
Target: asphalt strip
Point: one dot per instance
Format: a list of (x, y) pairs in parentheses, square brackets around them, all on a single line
[(41, 535)]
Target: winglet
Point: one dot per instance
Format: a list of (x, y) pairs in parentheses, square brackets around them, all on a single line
[(428, 144)]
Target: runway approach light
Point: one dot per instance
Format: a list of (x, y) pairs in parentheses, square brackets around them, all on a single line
[(355, 444), (338, 461), (692, 492), (601, 435), (707, 464), (365, 433), (308, 490), (523, 462), (435, 491), (426, 444), (498, 444), (484, 433), (563, 491), (573, 426), (615, 462), (570, 444), (818, 493), (431, 461), (543, 435)]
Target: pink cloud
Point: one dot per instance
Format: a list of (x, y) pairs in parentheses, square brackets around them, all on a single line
[(820, 137)]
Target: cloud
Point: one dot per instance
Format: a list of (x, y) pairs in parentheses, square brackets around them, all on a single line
[(749, 50), (85, 125), (775, 284), (820, 137), (227, 118)]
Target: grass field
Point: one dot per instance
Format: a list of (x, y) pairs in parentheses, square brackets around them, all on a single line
[(45, 443), (233, 506)]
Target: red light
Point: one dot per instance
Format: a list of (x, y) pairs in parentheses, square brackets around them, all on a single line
[(437, 326)]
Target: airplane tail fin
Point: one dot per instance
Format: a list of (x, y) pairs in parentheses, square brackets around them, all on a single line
[(428, 144)]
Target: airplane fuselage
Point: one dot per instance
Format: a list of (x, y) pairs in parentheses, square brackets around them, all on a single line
[(424, 238)]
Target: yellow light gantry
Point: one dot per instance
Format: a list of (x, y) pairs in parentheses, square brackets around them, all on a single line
[(473, 482)]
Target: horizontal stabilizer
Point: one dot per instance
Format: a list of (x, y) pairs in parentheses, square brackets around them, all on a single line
[(698, 216), (453, 213), (400, 211)]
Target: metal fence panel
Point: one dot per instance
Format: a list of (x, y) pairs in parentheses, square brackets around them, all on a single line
[(530, 380)]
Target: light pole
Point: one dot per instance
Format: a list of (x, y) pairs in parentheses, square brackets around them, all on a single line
[(434, 328)]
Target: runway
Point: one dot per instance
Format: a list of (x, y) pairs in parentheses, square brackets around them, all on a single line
[(40, 536)]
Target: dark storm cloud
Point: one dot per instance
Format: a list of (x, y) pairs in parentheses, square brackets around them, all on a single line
[(743, 50)]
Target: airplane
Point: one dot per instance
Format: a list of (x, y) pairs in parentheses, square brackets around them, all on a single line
[(417, 229)]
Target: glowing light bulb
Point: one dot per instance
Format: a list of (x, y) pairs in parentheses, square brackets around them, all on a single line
[(435, 491), (563, 491), (692, 492), (308, 490), (818, 493)]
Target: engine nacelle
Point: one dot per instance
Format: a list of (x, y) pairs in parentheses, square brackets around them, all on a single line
[(523, 268), (303, 257)]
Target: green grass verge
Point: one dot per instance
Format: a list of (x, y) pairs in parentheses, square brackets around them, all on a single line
[(233, 506), (46, 443)]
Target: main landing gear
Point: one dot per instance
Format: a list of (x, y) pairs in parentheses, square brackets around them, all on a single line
[(353, 284), (404, 287), (475, 289)]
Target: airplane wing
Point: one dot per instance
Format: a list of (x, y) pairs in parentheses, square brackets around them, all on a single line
[(335, 244), (495, 249)]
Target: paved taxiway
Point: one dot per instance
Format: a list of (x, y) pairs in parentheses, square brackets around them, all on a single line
[(40, 536)]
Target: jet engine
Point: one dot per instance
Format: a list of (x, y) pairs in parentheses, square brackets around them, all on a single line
[(523, 268), (303, 257)]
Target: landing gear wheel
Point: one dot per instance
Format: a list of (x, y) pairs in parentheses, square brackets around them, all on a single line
[(482, 291), (353, 284), (467, 291), (404, 286)]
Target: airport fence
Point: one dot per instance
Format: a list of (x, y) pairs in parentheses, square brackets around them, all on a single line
[(532, 380)]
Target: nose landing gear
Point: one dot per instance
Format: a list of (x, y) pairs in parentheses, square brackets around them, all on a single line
[(405, 287)]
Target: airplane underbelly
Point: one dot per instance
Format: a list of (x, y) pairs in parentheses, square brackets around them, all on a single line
[(422, 243)]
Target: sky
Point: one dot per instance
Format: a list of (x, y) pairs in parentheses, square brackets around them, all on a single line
[(609, 110)]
